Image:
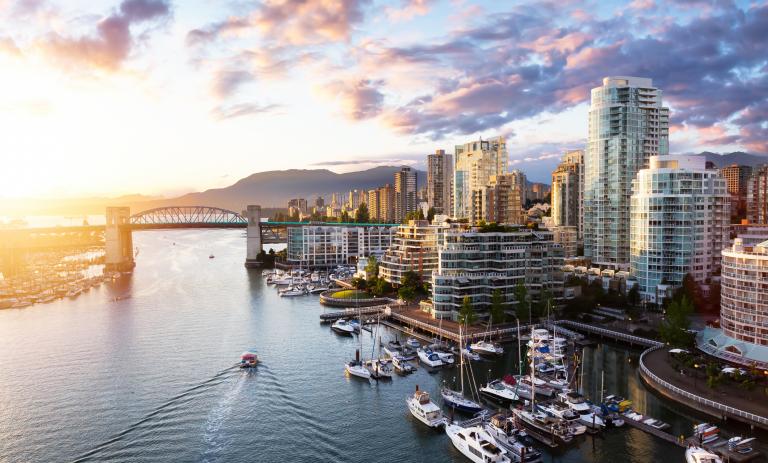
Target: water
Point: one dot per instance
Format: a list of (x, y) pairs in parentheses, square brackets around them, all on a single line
[(149, 377)]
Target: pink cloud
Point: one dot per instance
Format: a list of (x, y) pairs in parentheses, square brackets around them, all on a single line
[(359, 98), (409, 10)]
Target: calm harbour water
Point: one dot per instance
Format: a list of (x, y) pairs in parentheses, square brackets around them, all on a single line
[(149, 377)]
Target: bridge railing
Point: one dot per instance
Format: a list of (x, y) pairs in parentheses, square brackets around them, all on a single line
[(631, 338)]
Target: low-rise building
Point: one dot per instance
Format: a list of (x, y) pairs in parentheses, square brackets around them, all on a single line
[(325, 246), (414, 248)]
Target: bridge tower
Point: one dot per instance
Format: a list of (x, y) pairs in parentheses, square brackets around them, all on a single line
[(253, 234), (118, 239)]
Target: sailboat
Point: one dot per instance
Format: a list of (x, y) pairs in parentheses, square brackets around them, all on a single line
[(356, 367), (378, 368), (455, 399)]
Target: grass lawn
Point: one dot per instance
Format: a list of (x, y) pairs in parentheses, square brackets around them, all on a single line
[(350, 294)]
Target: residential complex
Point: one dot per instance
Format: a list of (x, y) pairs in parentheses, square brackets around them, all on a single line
[(380, 204), (737, 178), (475, 163), (744, 308), (475, 264), (567, 190), (440, 182), (679, 223), (405, 193), (326, 246), (757, 195), (627, 125), (414, 248), (501, 200)]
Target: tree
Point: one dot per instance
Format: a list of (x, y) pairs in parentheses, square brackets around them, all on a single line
[(359, 283), (406, 293), (633, 296), (381, 287), (344, 217), (691, 289), (523, 304), (362, 215), (545, 303), (497, 308), (431, 214), (467, 313), (411, 279), (674, 330), (372, 268)]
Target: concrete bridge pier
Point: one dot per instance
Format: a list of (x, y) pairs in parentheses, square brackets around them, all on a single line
[(118, 240), (253, 236)]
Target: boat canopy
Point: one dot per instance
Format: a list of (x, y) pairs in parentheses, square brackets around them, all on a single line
[(247, 355)]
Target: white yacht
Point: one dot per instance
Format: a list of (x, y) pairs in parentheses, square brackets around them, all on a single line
[(445, 357), (476, 444), (504, 433), (424, 409), (293, 291), (341, 326), (429, 358), (576, 402), (469, 355), (545, 424), (563, 412), (486, 348), (413, 342), (402, 365), (355, 368), (379, 369), (499, 392), (699, 455)]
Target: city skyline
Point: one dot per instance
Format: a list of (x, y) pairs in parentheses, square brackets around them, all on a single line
[(148, 96)]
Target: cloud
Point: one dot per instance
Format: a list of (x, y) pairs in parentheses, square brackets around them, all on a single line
[(8, 47), (241, 109), (359, 98), (409, 9), (113, 41), (226, 82)]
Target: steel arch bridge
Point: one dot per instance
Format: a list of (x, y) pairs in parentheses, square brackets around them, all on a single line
[(187, 217)]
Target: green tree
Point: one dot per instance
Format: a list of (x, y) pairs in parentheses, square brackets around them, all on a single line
[(467, 313), (411, 279), (497, 308), (344, 217), (362, 215), (523, 303), (372, 268), (406, 293), (546, 303), (633, 296), (674, 329), (381, 287), (431, 214), (359, 283)]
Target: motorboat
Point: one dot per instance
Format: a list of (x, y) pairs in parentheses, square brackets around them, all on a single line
[(706, 433), (293, 291), (413, 342), (401, 365), (617, 403), (576, 402), (658, 424), (457, 401), (341, 326), (248, 360), (211, 256), (522, 390), (502, 430), (699, 455), (424, 410), (469, 355), (429, 358), (445, 357), (544, 424), (379, 369), (476, 444), (539, 335), (486, 348), (499, 392), (737, 444), (542, 386), (558, 410)]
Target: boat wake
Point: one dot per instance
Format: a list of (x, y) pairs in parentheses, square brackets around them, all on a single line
[(170, 405), (217, 417)]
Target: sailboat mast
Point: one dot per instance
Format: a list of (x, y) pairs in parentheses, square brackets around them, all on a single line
[(461, 362), (533, 373)]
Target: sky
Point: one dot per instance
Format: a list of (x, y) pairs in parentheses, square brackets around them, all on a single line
[(162, 97)]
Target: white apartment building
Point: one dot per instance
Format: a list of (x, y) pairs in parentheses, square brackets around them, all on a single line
[(324, 246), (680, 214), (475, 163), (414, 248)]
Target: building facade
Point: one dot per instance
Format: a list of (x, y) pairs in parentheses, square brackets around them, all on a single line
[(627, 125), (326, 246), (500, 201), (567, 191), (405, 194), (737, 178), (475, 265), (757, 195), (475, 163), (414, 248), (680, 221), (440, 182), (743, 308)]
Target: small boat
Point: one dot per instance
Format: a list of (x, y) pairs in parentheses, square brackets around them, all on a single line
[(504, 433), (379, 369), (248, 360), (293, 292), (424, 409), (401, 365), (457, 401), (413, 342), (706, 433), (341, 326), (356, 368), (617, 403), (468, 354), (486, 348), (445, 357), (429, 358), (476, 444), (211, 256), (699, 455), (658, 424), (545, 425), (499, 392), (558, 410), (576, 402)]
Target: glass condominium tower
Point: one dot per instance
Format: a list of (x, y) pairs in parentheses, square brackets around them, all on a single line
[(476, 162), (627, 125)]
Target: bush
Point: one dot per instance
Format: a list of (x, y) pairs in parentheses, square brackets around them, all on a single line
[(350, 294)]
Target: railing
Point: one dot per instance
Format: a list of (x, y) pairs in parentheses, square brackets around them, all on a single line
[(441, 332), (698, 399), (610, 333), (351, 313)]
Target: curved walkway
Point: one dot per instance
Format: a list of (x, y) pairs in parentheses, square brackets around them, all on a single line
[(750, 407)]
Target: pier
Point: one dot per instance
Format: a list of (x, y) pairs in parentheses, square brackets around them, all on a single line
[(606, 333)]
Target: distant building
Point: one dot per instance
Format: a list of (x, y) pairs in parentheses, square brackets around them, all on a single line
[(475, 264), (737, 178), (475, 163), (567, 190), (440, 182), (405, 193), (568, 238), (750, 234), (501, 200), (627, 125), (743, 338), (297, 207), (757, 195), (319, 203), (325, 246), (414, 248), (680, 215)]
